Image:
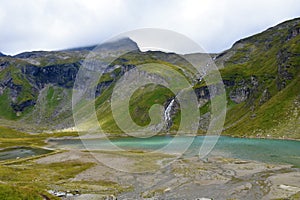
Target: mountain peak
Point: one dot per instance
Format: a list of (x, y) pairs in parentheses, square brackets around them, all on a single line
[(124, 43), (119, 44)]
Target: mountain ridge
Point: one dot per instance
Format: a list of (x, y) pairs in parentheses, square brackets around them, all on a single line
[(260, 74)]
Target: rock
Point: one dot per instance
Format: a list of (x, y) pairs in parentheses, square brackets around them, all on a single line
[(167, 190), (21, 106), (283, 69), (102, 86), (254, 81), (289, 188), (240, 94), (60, 194), (239, 162), (64, 194), (265, 96), (293, 33), (69, 194), (60, 74), (4, 64), (240, 188), (111, 197)]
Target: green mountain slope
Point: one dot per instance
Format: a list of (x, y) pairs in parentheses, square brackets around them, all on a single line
[(260, 74)]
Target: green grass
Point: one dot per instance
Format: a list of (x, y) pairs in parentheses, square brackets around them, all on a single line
[(53, 99), (10, 137), (25, 179), (6, 111), (11, 133), (256, 56), (26, 92), (268, 116), (253, 59), (12, 192), (143, 99), (251, 117), (38, 176)]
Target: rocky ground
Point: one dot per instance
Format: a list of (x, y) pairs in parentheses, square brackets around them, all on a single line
[(148, 177)]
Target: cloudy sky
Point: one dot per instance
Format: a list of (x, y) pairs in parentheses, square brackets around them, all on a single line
[(59, 24)]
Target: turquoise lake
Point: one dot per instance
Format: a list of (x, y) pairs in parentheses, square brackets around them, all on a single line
[(265, 150)]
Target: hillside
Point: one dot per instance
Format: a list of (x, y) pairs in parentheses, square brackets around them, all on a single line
[(261, 75), (262, 78)]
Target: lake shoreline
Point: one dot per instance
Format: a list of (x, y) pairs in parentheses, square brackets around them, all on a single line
[(258, 149), (191, 178), (216, 177), (120, 136)]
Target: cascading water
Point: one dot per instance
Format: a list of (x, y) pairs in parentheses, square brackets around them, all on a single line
[(167, 114)]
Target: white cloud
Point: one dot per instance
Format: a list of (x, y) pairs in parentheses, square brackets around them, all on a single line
[(56, 24)]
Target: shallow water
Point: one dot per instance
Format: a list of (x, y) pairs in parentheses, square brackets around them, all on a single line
[(21, 152), (265, 150)]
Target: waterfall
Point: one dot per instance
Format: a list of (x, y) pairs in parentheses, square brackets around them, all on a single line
[(167, 114)]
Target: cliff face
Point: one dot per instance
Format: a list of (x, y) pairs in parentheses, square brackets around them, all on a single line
[(32, 81), (60, 74), (260, 74)]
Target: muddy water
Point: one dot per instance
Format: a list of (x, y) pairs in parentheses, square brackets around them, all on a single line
[(21, 152)]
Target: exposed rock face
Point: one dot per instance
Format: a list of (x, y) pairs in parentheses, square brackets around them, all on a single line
[(240, 94), (20, 107), (4, 84), (207, 92), (202, 92), (113, 74), (14, 91), (283, 69), (293, 33), (204, 121), (3, 65), (63, 75), (102, 86), (255, 69), (265, 96), (243, 90)]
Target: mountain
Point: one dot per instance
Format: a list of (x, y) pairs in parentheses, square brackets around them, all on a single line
[(118, 44), (260, 74)]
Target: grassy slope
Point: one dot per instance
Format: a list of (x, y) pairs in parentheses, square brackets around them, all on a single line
[(272, 116), (278, 116), (27, 93), (140, 102), (9, 192), (254, 56), (53, 107)]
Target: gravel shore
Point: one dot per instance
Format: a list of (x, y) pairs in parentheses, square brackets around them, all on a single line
[(185, 178)]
